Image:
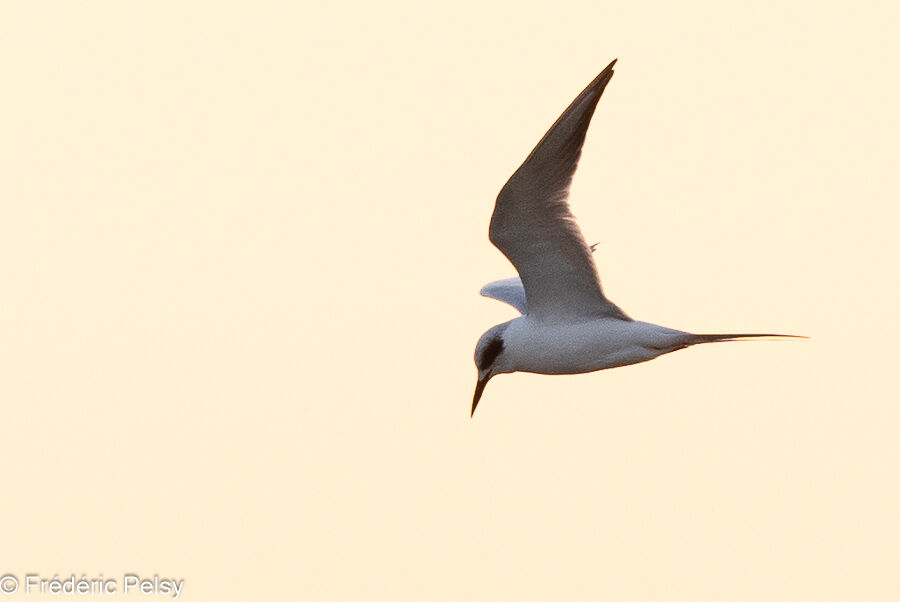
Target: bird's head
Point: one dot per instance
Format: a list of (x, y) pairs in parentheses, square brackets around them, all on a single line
[(489, 359)]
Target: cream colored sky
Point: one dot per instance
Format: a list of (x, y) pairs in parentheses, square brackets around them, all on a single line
[(241, 244)]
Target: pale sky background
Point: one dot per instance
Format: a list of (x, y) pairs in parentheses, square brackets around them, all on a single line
[(240, 251)]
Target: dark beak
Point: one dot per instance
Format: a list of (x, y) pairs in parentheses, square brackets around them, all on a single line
[(479, 389)]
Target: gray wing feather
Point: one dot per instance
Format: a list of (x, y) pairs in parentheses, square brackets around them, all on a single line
[(534, 228), (509, 291)]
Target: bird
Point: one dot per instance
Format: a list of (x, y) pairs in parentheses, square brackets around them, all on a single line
[(567, 325)]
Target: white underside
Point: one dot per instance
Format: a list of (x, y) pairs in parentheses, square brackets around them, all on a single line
[(531, 346)]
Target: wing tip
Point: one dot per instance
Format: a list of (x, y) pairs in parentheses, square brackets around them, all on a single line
[(608, 70), (599, 83)]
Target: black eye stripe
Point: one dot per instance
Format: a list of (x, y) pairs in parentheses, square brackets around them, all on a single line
[(491, 352)]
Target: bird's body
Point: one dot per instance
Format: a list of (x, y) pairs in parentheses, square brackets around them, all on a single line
[(568, 325), (579, 347)]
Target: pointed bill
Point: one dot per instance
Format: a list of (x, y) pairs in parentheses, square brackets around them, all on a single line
[(479, 390)]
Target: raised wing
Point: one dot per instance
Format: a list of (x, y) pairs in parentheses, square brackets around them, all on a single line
[(533, 226), (509, 291)]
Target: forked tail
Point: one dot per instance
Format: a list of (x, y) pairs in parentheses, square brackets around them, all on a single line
[(697, 339)]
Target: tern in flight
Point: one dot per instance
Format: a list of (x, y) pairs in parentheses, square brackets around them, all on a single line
[(567, 326)]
